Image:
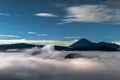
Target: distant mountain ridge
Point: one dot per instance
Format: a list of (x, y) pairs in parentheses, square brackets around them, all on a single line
[(18, 46), (84, 44), (80, 45), (21, 46)]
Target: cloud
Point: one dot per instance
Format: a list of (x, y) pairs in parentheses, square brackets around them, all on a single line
[(109, 36), (116, 42), (45, 15), (42, 34), (31, 32), (114, 2), (4, 14), (59, 5), (37, 34), (92, 13), (51, 65), (9, 36), (72, 37), (38, 42)]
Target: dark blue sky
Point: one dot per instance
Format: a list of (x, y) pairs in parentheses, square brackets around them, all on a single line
[(97, 20)]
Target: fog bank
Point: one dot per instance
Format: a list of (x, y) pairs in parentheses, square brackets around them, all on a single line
[(48, 64)]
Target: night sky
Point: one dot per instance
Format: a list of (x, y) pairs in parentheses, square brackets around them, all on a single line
[(59, 20)]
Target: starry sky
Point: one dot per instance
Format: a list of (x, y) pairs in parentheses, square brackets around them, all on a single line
[(59, 20)]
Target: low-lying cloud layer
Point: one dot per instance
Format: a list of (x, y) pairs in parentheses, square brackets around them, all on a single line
[(49, 64)]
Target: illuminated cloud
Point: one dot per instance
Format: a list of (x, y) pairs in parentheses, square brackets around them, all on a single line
[(72, 37), (45, 15), (4, 14), (31, 32), (37, 34), (116, 42), (92, 13), (9, 36), (42, 34)]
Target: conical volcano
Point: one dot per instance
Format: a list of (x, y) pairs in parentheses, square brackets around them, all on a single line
[(83, 43)]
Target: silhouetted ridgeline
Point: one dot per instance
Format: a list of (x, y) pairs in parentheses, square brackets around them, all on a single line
[(80, 45), (86, 45), (27, 46), (18, 46)]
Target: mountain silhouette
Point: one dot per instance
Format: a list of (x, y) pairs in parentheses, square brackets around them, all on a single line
[(18, 46), (21, 46), (109, 45), (86, 45), (83, 43), (80, 45)]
